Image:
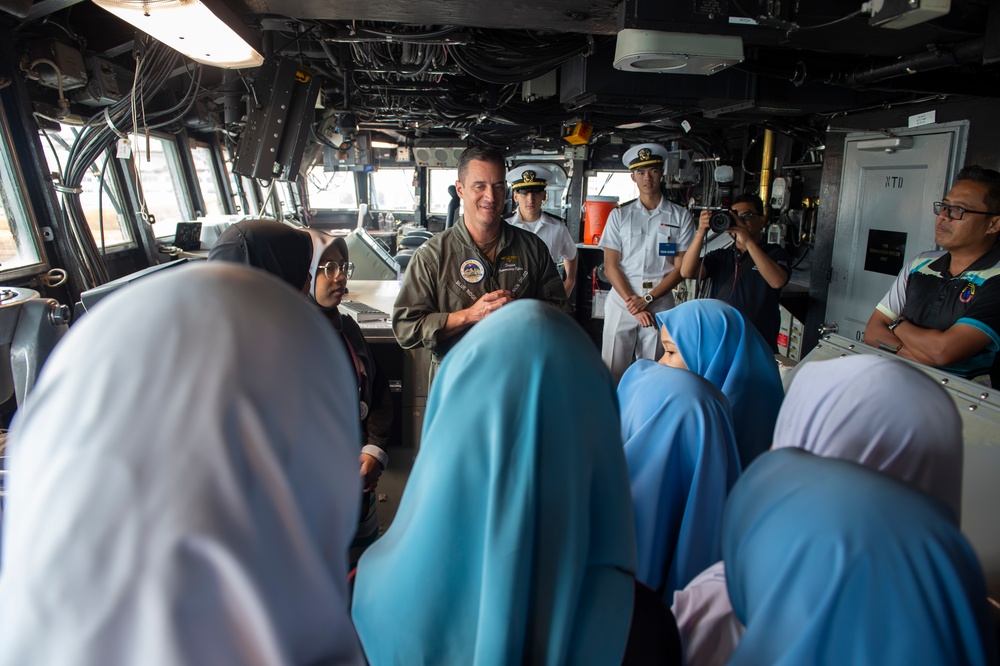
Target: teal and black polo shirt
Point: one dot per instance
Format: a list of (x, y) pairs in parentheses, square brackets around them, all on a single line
[(927, 294)]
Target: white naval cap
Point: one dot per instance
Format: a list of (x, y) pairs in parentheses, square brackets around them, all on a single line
[(644, 155), (529, 177)]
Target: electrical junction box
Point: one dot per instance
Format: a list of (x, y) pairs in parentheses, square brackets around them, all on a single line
[(542, 87), (579, 134), (108, 83), (679, 168), (67, 59)]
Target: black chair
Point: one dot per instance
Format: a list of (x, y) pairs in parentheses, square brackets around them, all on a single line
[(403, 258), (411, 241), (423, 233), (452, 207)]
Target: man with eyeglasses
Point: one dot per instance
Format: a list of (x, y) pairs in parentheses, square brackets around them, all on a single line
[(748, 274), (943, 310), (471, 269)]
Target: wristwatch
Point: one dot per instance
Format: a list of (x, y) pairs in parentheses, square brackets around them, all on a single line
[(648, 297), (896, 322)]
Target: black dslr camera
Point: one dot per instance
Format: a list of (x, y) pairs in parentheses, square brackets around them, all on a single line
[(721, 219)]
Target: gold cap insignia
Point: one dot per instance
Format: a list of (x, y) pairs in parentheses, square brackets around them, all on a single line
[(645, 154), (528, 177)]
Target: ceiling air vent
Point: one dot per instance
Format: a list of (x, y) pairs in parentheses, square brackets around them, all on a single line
[(676, 52)]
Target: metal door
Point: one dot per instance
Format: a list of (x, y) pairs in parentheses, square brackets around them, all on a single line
[(884, 214)]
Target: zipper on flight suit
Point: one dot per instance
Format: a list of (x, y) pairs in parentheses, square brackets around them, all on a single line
[(493, 272)]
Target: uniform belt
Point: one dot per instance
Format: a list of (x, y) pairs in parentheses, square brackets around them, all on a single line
[(642, 286)]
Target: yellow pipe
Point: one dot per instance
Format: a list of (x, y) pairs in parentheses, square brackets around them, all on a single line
[(766, 160)]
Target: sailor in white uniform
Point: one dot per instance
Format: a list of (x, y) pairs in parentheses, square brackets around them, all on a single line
[(644, 241), (528, 183)]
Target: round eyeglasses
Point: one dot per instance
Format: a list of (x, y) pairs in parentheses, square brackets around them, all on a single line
[(332, 270)]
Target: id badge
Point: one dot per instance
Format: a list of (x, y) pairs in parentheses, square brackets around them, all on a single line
[(668, 249)]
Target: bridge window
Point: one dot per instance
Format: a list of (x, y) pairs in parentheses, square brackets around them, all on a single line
[(161, 182), (19, 245), (331, 190), (393, 190), (612, 184), (101, 202), (437, 191), (286, 197), (201, 155)]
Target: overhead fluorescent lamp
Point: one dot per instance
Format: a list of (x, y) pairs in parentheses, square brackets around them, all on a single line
[(190, 27), (384, 144), (675, 52), (898, 14)]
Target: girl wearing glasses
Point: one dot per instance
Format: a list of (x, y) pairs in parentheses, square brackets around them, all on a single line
[(329, 270)]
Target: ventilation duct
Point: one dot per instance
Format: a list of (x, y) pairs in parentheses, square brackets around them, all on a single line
[(676, 52)]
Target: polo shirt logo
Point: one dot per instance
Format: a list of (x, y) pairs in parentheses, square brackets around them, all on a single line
[(967, 293)]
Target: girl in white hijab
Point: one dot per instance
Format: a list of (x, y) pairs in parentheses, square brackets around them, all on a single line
[(183, 483), (875, 411)]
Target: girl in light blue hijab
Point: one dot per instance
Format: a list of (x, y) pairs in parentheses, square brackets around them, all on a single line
[(682, 461), (829, 562), (712, 339), (514, 542)]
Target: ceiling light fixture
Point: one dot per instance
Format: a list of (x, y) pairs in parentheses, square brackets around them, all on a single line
[(206, 35)]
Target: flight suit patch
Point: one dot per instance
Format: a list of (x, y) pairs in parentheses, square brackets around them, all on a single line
[(472, 271)]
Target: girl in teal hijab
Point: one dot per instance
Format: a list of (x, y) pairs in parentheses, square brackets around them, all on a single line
[(829, 562), (712, 339), (682, 461), (514, 542)]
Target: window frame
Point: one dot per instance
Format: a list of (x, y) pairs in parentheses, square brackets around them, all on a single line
[(18, 207), (430, 188), (120, 188), (175, 167), (221, 191), (373, 192), (596, 172), (350, 176)]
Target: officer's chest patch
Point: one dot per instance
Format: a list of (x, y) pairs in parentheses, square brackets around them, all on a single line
[(472, 271)]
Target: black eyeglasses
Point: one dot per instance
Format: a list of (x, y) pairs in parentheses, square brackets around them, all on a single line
[(956, 212), (745, 215), (332, 270)]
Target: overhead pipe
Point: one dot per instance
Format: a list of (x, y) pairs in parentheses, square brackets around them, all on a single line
[(938, 57), (766, 160)]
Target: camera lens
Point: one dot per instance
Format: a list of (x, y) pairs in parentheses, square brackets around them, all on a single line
[(720, 221)]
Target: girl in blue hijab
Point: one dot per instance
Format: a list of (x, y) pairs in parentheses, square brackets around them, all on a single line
[(710, 338), (514, 542), (682, 461), (829, 562)]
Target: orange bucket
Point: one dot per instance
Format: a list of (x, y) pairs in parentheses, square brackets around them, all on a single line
[(596, 211)]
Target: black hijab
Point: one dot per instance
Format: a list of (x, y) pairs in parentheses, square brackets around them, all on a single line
[(272, 246)]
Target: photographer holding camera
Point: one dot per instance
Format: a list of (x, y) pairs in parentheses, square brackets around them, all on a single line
[(748, 274)]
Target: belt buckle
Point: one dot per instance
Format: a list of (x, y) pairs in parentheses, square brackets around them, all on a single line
[(647, 284)]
